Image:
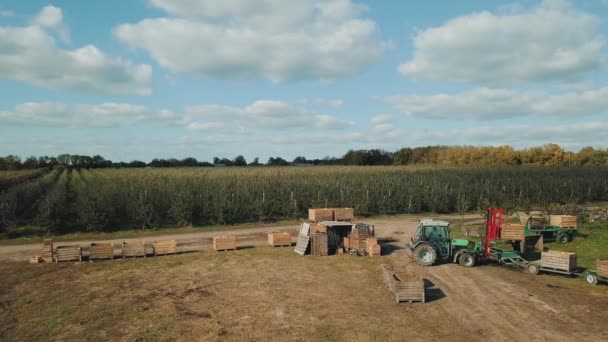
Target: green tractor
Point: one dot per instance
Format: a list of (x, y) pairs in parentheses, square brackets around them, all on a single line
[(432, 242)]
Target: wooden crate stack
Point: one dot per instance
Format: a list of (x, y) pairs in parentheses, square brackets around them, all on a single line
[(224, 243), (404, 289), (101, 250), (601, 266), (165, 247), (513, 231), (279, 239), (562, 261), (344, 214), (372, 247), (318, 228), (357, 240), (319, 245), (47, 251), (320, 214), (133, 249), (563, 221), (68, 253)]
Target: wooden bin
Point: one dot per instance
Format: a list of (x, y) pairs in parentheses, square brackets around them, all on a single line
[(563, 221), (224, 243), (165, 247), (318, 228), (513, 231), (279, 239), (34, 259), (319, 245), (101, 250), (133, 249), (344, 214), (320, 214), (404, 289), (68, 253), (561, 261), (358, 240), (601, 266), (47, 251)]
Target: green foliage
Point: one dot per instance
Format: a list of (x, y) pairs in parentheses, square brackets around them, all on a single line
[(114, 199)]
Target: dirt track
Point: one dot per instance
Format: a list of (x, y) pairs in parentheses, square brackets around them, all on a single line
[(480, 303)]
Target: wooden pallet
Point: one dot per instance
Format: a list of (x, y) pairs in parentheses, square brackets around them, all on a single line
[(319, 245), (302, 244), (279, 239), (47, 251), (101, 251), (320, 214), (563, 261), (224, 243), (601, 266), (513, 231), (164, 247), (68, 253), (133, 249)]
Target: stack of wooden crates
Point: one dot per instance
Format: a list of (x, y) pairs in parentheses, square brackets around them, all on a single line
[(47, 250), (372, 247), (331, 214)]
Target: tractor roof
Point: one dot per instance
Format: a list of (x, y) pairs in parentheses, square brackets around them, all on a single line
[(433, 222)]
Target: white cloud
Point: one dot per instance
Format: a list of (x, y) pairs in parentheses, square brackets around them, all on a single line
[(54, 114), (334, 103), (485, 103), (274, 39), (6, 13), (52, 17), (29, 54), (380, 119), (551, 42), (261, 114)]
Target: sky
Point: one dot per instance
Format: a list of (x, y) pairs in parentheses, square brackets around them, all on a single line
[(144, 79)]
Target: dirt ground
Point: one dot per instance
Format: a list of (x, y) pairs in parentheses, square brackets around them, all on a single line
[(261, 293)]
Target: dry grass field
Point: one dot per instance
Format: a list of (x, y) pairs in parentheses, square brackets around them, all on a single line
[(265, 294)]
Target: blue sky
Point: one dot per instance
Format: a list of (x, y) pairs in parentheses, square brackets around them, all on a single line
[(159, 78)]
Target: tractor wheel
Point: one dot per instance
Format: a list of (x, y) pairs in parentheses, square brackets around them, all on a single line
[(563, 238), (467, 260), (591, 278), (425, 255), (533, 269)]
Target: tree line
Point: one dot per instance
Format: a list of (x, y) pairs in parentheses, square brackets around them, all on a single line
[(547, 155)]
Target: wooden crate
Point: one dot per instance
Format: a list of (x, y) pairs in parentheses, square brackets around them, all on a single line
[(344, 214), (279, 239), (601, 266), (320, 214), (224, 243), (47, 251), (318, 228), (562, 261), (101, 250), (404, 289), (319, 245), (346, 243), (358, 240), (374, 250), (133, 249), (563, 221), (164, 247), (68, 253), (513, 231), (34, 259)]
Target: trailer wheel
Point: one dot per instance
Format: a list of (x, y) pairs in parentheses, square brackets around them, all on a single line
[(426, 255), (591, 278), (563, 238), (533, 269), (467, 260)]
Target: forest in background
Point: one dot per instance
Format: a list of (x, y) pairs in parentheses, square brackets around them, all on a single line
[(547, 155)]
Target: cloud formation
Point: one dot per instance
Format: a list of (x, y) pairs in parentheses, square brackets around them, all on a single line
[(551, 42), (487, 103), (30, 54), (272, 39)]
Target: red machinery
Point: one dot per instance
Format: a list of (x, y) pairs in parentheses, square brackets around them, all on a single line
[(494, 218)]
